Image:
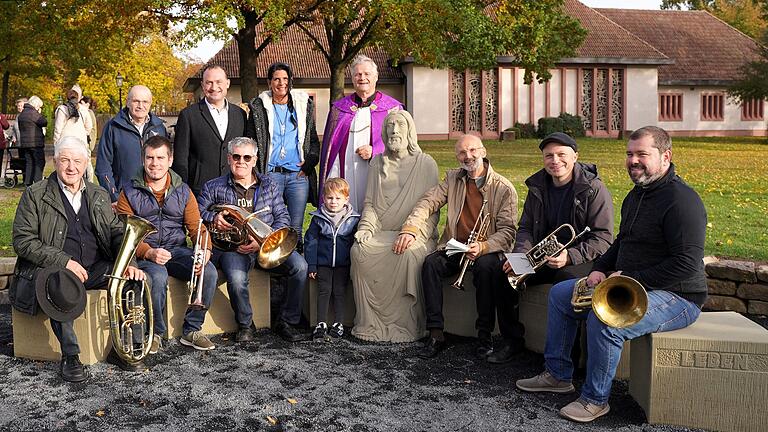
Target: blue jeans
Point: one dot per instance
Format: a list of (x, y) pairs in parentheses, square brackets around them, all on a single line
[(235, 267), (180, 267), (294, 269), (294, 187), (666, 312)]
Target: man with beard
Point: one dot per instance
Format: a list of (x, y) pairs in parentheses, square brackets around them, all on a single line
[(661, 245), (565, 191), (465, 190)]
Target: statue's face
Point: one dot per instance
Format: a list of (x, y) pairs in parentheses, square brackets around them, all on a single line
[(397, 133)]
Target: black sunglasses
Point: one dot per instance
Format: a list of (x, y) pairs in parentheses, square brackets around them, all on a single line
[(236, 157)]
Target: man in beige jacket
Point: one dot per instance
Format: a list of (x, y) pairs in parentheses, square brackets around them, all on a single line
[(464, 190)]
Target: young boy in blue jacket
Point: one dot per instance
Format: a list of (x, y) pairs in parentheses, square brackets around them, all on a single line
[(326, 248)]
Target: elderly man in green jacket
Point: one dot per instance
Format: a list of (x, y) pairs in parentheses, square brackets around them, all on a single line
[(65, 223)]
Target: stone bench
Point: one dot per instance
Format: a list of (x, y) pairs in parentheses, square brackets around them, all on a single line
[(712, 374), (34, 339), (220, 318), (533, 315)]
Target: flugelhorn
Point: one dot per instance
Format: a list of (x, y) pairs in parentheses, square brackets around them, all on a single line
[(479, 233), (618, 301), (548, 247), (276, 246), (195, 284), (125, 313)]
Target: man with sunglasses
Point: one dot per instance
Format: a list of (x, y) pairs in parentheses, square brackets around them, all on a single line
[(246, 188)]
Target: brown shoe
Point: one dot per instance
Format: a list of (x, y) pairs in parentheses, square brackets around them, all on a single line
[(545, 382), (583, 412)]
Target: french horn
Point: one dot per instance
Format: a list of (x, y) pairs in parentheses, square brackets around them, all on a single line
[(618, 301)]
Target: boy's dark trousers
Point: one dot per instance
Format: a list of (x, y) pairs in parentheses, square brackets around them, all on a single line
[(331, 282)]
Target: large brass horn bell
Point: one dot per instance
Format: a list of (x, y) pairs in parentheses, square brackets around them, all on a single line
[(276, 246), (618, 301)]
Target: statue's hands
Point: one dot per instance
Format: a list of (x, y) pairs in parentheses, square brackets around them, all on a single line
[(363, 236), (403, 242)]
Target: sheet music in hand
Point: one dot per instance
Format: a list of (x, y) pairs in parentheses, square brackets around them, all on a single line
[(454, 246), (520, 263)]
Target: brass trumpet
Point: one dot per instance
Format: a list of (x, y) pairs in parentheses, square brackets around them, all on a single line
[(125, 313), (276, 246), (195, 284), (618, 301), (479, 233), (538, 254)]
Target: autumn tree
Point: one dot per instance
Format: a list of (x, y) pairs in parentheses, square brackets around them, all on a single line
[(150, 62), (212, 18), (745, 15), (57, 39), (444, 33)]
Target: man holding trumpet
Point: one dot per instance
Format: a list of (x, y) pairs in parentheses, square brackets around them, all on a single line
[(661, 246), (472, 192), (565, 191), (157, 194)]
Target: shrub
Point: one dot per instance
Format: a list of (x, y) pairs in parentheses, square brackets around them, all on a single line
[(573, 125), (524, 130), (548, 125)]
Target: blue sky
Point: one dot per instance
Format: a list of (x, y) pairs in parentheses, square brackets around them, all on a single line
[(207, 48)]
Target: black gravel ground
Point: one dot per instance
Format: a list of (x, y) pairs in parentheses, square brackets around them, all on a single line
[(272, 385)]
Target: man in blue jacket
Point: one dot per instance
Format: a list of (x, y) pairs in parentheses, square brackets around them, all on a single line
[(118, 157), (245, 188)]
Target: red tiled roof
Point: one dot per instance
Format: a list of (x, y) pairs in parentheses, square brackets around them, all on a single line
[(296, 49), (606, 40), (705, 49)]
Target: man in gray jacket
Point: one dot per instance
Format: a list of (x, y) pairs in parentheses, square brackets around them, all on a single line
[(565, 191), (66, 223)]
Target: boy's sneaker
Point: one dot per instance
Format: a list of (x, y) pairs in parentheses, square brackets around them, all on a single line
[(336, 330), (321, 330), (197, 340)]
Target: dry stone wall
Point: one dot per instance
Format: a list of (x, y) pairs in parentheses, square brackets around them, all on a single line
[(740, 286)]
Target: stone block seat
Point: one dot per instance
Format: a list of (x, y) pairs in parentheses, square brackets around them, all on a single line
[(712, 374), (34, 339), (220, 317)]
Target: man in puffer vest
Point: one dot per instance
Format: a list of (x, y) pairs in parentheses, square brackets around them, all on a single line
[(157, 194)]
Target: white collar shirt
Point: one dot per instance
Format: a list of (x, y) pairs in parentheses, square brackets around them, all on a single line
[(75, 198), (220, 117)]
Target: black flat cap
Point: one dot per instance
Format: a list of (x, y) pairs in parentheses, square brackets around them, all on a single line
[(560, 138)]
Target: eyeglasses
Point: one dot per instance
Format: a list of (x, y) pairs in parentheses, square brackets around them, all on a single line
[(236, 157)]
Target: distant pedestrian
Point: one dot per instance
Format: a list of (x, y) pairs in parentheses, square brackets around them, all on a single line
[(329, 239), (32, 136), (5, 126), (72, 119)]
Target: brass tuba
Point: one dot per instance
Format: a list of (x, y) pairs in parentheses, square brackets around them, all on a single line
[(538, 254), (618, 301), (276, 246), (124, 313)]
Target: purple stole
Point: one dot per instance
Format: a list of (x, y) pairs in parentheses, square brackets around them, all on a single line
[(337, 127)]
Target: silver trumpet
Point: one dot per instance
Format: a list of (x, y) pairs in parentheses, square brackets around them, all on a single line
[(195, 284), (479, 233), (548, 247)]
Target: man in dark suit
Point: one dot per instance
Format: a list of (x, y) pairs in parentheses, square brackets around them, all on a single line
[(203, 131)]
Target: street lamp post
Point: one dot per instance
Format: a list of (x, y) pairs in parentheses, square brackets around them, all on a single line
[(119, 82)]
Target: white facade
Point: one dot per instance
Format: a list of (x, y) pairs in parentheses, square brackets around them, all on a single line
[(692, 124), (427, 100), (642, 103)]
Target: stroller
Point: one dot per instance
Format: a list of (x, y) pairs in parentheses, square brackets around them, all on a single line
[(14, 167)]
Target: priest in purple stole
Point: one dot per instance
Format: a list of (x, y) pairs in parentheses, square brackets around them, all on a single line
[(353, 131)]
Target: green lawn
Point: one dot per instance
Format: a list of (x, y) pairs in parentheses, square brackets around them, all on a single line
[(730, 174)]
